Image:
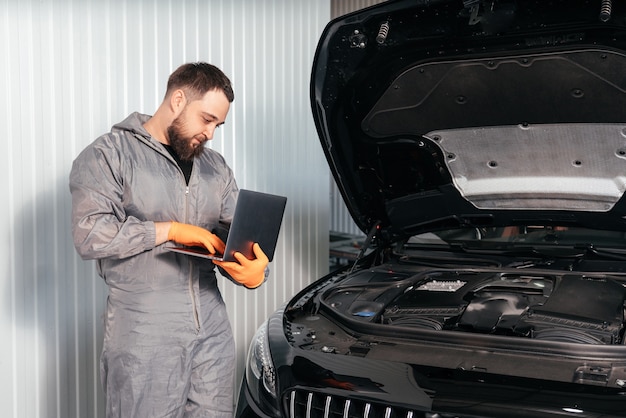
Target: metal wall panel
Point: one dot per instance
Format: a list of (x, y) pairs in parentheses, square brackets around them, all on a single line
[(72, 68), (342, 7)]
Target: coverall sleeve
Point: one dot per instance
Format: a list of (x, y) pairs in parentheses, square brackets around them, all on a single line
[(100, 227)]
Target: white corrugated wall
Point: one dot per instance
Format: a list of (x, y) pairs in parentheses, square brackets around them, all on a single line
[(342, 7), (72, 68)]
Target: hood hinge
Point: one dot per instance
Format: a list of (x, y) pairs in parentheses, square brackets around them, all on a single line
[(366, 244)]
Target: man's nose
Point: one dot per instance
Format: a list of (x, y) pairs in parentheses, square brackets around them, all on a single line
[(208, 132)]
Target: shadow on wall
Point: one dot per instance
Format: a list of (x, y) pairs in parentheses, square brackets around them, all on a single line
[(56, 301)]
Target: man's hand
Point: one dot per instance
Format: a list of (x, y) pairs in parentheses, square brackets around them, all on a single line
[(250, 273), (195, 236)]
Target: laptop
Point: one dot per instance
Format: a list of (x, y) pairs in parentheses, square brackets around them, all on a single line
[(257, 218)]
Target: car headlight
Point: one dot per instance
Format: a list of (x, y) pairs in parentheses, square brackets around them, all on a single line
[(260, 366)]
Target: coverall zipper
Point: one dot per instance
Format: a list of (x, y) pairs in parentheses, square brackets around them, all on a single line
[(192, 293)]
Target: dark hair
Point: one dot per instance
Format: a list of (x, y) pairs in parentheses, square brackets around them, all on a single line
[(196, 78)]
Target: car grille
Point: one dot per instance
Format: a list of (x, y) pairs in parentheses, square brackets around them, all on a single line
[(306, 404)]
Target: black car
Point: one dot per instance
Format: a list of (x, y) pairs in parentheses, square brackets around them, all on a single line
[(481, 148)]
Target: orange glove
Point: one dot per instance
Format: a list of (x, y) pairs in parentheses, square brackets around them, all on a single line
[(195, 236), (250, 273)]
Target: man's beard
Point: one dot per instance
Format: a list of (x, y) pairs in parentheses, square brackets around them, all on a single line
[(181, 143)]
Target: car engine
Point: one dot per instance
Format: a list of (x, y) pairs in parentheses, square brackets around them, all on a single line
[(552, 306)]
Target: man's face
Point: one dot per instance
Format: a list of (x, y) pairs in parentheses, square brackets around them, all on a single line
[(196, 123)]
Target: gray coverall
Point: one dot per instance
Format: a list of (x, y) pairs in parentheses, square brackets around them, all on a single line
[(168, 346)]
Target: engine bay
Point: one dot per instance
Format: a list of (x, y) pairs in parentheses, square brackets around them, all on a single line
[(567, 307)]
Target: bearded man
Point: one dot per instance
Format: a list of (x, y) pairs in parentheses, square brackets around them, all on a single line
[(168, 347)]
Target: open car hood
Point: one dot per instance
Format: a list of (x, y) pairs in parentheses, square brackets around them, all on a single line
[(437, 114)]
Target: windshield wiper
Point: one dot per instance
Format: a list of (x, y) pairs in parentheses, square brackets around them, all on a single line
[(613, 254), (577, 251)]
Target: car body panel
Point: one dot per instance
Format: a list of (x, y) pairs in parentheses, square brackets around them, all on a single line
[(529, 83)]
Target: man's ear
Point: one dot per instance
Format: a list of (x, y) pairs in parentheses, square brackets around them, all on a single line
[(178, 101)]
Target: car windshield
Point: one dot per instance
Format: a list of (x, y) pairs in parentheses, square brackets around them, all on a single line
[(523, 236)]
